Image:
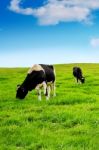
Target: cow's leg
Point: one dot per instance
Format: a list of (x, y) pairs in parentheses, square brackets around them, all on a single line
[(47, 92), (45, 87), (53, 89), (77, 80), (38, 92), (47, 98)]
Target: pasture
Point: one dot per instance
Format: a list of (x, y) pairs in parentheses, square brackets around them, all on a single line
[(69, 121)]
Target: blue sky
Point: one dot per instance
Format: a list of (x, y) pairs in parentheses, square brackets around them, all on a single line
[(48, 31)]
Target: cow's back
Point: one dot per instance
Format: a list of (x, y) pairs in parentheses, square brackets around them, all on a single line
[(49, 72), (77, 72)]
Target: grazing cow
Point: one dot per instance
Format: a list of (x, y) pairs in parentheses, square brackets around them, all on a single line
[(77, 72), (38, 76)]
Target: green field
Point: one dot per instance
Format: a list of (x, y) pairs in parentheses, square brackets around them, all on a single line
[(69, 121)]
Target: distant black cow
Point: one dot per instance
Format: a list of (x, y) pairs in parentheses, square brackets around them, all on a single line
[(37, 77), (77, 72)]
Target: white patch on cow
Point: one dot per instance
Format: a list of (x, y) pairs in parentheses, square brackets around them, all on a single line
[(44, 86), (49, 91), (35, 67)]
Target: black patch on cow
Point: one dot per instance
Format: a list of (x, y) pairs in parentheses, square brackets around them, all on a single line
[(49, 72), (34, 78)]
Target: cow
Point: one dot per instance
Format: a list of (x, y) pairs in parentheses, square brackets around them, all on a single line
[(77, 72), (39, 76)]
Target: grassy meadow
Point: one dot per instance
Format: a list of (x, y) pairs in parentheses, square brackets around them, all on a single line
[(69, 121)]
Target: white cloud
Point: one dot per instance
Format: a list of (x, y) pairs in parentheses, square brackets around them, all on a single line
[(94, 42), (55, 11)]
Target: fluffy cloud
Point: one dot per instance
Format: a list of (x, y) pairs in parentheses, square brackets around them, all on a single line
[(55, 11), (95, 42)]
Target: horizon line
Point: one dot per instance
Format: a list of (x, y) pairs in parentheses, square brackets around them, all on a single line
[(1, 67)]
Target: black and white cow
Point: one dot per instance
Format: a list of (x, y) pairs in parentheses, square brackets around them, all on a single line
[(77, 72), (38, 76)]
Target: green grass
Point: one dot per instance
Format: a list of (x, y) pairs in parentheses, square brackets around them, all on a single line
[(70, 121)]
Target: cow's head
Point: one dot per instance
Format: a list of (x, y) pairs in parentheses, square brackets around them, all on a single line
[(83, 80), (21, 92)]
